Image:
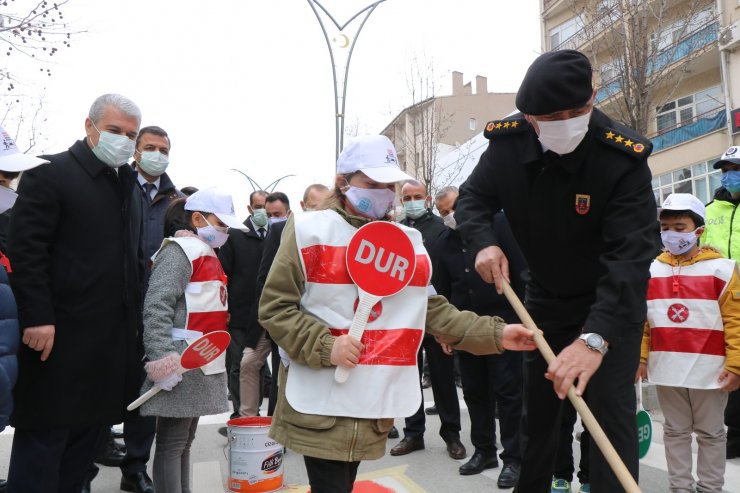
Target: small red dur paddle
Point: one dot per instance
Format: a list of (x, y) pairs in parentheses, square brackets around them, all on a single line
[(199, 353), (381, 261)]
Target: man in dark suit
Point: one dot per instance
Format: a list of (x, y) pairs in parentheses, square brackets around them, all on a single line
[(149, 202), (416, 205), (240, 257), (74, 276)]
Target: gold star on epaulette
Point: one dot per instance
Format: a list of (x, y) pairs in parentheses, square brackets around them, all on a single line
[(619, 139), (498, 125), (628, 143), (514, 124), (609, 135), (506, 124)]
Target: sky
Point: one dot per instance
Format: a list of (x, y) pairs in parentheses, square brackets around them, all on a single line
[(248, 85)]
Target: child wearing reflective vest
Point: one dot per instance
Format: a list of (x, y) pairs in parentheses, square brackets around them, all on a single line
[(308, 305), (186, 299), (691, 344)]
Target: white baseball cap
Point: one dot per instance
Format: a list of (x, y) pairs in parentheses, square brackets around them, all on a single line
[(13, 160), (731, 156), (375, 156), (216, 202), (684, 202)]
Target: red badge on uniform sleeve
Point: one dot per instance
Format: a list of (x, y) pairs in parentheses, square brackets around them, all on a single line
[(583, 203)]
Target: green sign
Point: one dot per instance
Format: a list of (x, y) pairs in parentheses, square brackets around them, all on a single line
[(644, 431)]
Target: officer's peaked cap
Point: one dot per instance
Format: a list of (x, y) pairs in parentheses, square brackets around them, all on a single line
[(556, 81)]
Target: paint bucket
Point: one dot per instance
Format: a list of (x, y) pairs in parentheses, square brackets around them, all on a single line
[(255, 460)]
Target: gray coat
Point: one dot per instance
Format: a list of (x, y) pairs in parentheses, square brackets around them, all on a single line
[(164, 308)]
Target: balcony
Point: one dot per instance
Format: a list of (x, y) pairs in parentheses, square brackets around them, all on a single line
[(699, 125), (692, 42)]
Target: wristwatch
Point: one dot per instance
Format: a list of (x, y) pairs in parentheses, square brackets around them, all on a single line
[(594, 342)]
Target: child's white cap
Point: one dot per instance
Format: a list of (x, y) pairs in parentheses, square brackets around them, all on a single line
[(684, 202), (216, 202)]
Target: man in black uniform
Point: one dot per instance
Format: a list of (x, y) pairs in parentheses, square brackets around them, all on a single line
[(576, 189), (417, 204)]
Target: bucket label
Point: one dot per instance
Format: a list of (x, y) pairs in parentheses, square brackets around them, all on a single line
[(272, 463)]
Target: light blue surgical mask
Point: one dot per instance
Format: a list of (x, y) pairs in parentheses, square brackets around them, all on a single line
[(153, 163), (113, 149), (731, 181), (274, 220), (259, 217), (415, 208)]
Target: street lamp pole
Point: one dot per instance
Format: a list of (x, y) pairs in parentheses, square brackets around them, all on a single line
[(338, 41)]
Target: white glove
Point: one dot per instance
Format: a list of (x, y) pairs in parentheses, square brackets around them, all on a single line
[(168, 383)]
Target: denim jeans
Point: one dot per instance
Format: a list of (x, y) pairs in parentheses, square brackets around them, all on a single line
[(172, 454)]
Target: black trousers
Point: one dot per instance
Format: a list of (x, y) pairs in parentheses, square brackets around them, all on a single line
[(138, 435), (52, 461), (732, 420), (272, 400), (564, 465), (611, 398), (330, 476), (488, 381), (444, 391), (233, 360)]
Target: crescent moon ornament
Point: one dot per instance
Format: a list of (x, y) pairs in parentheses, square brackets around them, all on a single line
[(342, 40)]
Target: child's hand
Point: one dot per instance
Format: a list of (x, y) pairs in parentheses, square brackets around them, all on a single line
[(346, 351), (641, 373), (728, 381)]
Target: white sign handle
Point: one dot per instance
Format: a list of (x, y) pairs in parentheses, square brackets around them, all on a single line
[(150, 393), (359, 322), (639, 395)]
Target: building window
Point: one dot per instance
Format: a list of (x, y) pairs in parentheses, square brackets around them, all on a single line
[(561, 33), (472, 123), (684, 110), (608, 71), (672, 34), (700, 179)]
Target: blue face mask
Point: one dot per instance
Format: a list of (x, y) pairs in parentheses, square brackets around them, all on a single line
[(415, 208), (731, 181)]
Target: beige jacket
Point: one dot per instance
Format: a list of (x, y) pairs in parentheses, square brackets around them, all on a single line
[(309, 342)]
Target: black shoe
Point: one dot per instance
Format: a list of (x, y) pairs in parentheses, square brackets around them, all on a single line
[(509, 476), (426, 382), (733, 449), (111, 454), (408, 445), (478, 463), (391, 434), (222, 431), (3, 486), (138, 483), (431, 410), (456, 449)]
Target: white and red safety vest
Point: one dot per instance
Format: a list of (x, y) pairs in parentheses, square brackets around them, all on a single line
[(206, 299), (385, 383), (687, 337)]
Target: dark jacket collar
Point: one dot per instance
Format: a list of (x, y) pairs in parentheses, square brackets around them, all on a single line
[(724, 195), (89, 162), (428, 216)]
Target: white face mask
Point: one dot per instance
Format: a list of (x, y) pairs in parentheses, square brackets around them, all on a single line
[(113, 149), (371, 202), (563, 136), (215, 236), (678, 243), (449, 220), (153, 163)]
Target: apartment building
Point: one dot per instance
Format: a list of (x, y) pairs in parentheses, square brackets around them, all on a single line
[(688, 82), (431, 127)]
